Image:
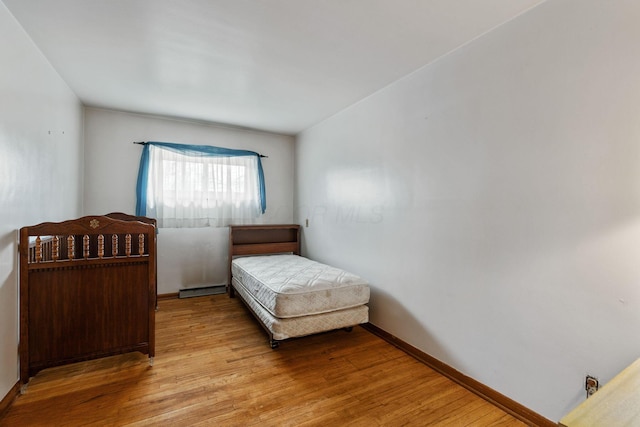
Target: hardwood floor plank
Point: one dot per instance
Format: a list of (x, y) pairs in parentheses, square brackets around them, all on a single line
[(213, 366)]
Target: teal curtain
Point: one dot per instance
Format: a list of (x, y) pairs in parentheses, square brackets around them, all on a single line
[(194, 150)]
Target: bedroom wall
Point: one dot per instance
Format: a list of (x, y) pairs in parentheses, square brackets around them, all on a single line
[(492, 198), (40, 166), (187, 258)]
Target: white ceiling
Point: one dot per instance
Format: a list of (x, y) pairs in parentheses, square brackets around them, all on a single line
[(274, 65)]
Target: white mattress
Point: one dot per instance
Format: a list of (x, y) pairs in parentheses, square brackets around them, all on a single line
[(282, 329), (290, 286)]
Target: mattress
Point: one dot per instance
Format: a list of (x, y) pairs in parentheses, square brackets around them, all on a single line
[(282, 329), (289, 286)]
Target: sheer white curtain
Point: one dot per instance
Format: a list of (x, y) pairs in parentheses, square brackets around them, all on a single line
[(191, 190)]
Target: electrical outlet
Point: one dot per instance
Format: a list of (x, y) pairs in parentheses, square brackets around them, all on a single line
[(591, 385)]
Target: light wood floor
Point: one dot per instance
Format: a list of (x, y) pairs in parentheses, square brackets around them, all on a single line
[(213, 366)]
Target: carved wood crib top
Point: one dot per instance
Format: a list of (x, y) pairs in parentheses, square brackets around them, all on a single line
[(88, 238)]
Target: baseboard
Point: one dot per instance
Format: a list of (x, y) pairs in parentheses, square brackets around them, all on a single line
[(202, 291), (172, 295), (176, 295), (6, 401), (514, 408)]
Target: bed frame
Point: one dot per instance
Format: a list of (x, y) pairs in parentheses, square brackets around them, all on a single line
[(87, 290), (263, 240)]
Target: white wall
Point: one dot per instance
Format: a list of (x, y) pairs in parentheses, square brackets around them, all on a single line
[(492, 198), (40, 165), (187, 258)]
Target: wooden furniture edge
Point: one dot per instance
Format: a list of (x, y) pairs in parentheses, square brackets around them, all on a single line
[(508, 405), (8, 400), (116, 223), (147, 220), (616, 402)]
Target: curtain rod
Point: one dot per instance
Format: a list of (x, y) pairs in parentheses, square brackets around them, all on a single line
[(145, 143)]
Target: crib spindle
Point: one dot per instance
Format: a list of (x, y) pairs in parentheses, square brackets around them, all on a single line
[(85, 246), (55, 248), (100, 246), (140, 244), (71, 247), (127, 245), (38, 249), (114, 245)]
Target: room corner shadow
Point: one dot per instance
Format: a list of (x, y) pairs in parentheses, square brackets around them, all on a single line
[(401, 316)]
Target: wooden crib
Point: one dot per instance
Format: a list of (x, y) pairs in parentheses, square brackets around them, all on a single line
[(87, 290)]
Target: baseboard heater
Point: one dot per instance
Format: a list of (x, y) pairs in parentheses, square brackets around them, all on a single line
[(199, 292)]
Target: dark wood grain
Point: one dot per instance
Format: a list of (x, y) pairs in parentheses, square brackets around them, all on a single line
[(89, 305)]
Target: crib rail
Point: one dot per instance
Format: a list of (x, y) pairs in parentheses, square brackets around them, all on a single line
[(45, 249), (91, 238)]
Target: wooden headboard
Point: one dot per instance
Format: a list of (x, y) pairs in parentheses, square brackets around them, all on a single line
[(262, 240), (87, 290)]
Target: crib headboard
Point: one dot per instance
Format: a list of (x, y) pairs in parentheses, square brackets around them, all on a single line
[(87, 290)]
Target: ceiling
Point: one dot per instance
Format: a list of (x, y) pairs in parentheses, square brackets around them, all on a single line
[(274, 65)]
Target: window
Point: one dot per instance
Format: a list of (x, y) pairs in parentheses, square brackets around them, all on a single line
[(199, 186)]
